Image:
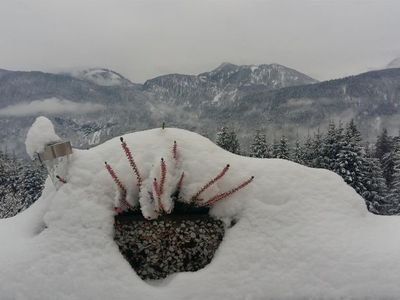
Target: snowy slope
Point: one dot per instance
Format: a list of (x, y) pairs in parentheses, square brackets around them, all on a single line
[(395, 63), (301, 233), (103, 77)]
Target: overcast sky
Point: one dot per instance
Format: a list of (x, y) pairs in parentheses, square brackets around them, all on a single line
[(142, 39)]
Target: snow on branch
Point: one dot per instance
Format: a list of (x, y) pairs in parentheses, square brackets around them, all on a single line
[(158, 195), (121, 187), (163, 167), (210, 183), (221, 196), (180, 182), (132, 162)]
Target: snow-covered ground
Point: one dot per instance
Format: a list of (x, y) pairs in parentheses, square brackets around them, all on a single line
[(301, 233)]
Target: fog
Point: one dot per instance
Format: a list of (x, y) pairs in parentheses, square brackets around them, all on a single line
[(51, 106)]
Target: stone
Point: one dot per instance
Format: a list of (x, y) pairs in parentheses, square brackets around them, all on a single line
[(169, 244)]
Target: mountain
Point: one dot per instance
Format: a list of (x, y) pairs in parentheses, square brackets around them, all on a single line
[(372, 99), (269, 97), (223, 83), (103, 77), (19, 90), (272, 76), (395, 63)]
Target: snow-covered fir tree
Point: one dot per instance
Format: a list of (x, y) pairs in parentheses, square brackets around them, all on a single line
[(353, 133), (388, 166), (227, 139), (394, 191), (309, 154), (21, 184), (317, 148), (375, 187), (275, 148), (350, 163), (298, 153), (282, 150), (384, 144), (331, 145), (259, 147)]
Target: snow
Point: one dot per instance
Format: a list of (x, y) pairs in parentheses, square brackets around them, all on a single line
[(39, 135), (102, 77), (217, 97), (301, 233), (395, 63), (253, 68)]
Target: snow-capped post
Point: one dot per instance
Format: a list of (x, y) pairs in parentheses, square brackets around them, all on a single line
[(163, 125), (56, 157), (45, 146), (132, 162), (210, 183)]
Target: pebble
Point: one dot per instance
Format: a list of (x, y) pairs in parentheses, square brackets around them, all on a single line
[(168, 245)]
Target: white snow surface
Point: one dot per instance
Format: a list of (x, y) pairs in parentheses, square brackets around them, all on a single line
[(301, 233), (39, 135)]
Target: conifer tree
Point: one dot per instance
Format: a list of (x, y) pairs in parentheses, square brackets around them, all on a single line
[(298, 154), (394, 192), (369, 150), (351, 163), (384, 144), (259, 147), (353, 133), (309, 154), (21, 184), (375, 187), (275, 148), (330, 147), (388, 166), (283, 148), (227, 139), (316, 148)]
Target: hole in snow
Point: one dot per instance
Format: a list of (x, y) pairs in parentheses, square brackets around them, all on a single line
[(170, 244)]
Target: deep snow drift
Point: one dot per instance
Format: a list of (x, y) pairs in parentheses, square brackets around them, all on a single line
[(301, 232)]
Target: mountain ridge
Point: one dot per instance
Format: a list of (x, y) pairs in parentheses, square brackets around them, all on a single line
[(203, 103)]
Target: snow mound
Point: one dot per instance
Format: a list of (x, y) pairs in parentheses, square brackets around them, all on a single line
[(301, 233), (39, 135)]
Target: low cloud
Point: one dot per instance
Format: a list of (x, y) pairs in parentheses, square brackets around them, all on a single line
[(51, 106)]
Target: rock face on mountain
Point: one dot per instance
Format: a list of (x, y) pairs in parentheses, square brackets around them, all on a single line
[(272, 76), (222, 84), (269, 97)]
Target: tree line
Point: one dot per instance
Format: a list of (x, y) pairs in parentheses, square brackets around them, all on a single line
[(21, 184), (373, 170)]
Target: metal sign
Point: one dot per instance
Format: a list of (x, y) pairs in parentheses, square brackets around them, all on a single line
[(56, 150)]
